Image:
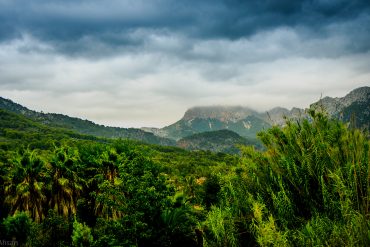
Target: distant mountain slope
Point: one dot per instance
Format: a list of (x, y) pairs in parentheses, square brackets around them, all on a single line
[(355, 107), (223, 113), (225, 141), (243, 121), (277, 115), (336, 105), (83, 126), (359, 113), (247, 122)]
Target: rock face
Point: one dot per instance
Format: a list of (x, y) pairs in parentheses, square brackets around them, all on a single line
[(243, 121), (335, 106), (223, 113), (277, 115), (353, 108)]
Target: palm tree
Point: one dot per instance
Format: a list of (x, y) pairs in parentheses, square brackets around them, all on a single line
[(106, 178), (24, 188), (65, 184)]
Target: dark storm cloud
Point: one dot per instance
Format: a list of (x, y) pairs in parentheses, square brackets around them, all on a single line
[(73, 26)]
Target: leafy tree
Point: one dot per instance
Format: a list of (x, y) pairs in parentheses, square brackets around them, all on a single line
[(140, 194), (65, 184), (25, 185), (108, 177), (18, 227), (55, 230), (212, 188), (81, 235), (177, 224)]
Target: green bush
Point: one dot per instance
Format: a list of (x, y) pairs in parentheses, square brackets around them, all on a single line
[(18, 227)]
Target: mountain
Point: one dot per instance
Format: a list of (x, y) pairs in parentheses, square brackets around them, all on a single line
[(223, 113), (83, 126), (247, 122), (335, 106), (224, 141), (242, 120), (277, 115), (354, 107)]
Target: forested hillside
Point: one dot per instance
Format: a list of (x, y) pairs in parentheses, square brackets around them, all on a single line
[(83, 126), (309, 187), (225, 141)]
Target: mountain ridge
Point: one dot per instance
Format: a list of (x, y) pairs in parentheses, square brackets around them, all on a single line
[(247, 122), (335, 105)]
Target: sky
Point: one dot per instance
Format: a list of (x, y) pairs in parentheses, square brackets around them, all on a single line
[(134, 63)]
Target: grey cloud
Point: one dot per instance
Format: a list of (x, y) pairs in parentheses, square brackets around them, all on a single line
[(96, 27), (147, 61)]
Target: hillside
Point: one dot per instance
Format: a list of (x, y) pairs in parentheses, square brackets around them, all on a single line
[(83, 126), (225, 141), (16, 130)]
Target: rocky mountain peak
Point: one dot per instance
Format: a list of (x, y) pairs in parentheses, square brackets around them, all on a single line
[(359, 94), (222, 113), (335, 105), (278, 110)]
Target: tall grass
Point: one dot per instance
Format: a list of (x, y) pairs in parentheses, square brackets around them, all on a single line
[(310, 187)]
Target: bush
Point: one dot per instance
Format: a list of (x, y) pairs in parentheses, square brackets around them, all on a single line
[(18, 227)]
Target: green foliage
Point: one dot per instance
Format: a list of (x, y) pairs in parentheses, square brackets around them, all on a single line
[(136, 197), (25, 185), (177, 224), (17, 131), (309, 187), (81, 235), (225, 141), (63, 122), (55, 230), (265, 229), (220, 228), (17, 227), (65, 184), (212, 188)]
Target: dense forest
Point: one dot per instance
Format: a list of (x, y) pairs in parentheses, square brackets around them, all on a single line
[(308, 186)]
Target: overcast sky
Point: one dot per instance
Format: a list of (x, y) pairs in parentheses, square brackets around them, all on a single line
[(144, 62)]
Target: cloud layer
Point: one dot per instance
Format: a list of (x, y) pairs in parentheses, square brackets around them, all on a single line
[(136, 63)]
